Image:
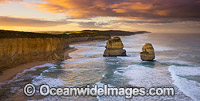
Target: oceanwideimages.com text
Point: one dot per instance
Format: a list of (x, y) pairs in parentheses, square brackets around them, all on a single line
[(127, 92)]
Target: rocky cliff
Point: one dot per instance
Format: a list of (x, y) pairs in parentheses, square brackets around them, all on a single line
[(114, 47), (147, 53), (15, 51), (22, 47)]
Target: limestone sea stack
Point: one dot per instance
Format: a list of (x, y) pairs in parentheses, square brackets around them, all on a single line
[(147, 53), (114, 47)]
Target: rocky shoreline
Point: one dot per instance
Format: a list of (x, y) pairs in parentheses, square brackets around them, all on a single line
[(17, 48), (8, 74)]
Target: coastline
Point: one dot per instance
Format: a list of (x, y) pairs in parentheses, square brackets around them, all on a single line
[(8, 74), (12, 72)]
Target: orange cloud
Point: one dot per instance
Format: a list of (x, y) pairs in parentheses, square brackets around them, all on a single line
[(142, 11), (88, 8), (51, 8), (138, 6), (163, 12), (120, 10), (149, 9)]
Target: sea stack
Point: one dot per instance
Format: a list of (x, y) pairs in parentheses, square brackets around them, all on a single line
[(114, 47), (147, 53)]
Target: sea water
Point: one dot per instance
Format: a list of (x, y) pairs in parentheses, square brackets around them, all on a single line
[(177, 65)]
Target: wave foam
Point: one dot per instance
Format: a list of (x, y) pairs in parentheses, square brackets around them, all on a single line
[(147, 77), (52, 82), (189, 87)]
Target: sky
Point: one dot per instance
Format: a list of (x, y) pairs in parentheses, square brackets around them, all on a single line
[(159, 16)]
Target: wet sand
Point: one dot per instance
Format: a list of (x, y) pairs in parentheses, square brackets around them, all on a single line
[(10, 73)]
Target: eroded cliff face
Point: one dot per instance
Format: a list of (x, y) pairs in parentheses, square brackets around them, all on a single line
[(147, 53), (16, 51), (23, 48), (114, 47)]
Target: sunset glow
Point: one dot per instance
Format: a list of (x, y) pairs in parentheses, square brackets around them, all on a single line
[(162, 16)]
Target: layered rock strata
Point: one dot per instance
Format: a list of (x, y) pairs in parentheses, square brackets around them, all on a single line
[(18, 48), (147, 53), (114, 47)]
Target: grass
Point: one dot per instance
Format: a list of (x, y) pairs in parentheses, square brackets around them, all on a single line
[(21, 34)]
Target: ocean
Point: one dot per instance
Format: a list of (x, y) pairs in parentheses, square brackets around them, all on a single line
[(177, 65)]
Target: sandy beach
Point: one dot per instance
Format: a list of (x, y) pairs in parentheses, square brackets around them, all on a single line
[(10, 73)]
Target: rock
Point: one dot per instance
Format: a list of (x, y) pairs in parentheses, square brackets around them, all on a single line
[(114, 47), (147, 53)]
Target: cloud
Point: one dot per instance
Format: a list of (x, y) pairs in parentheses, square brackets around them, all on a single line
[(7, 1), (126, 7), (94, 25), (89, 25), (146, 9), (130, 14), (13, 21), (164, 20)]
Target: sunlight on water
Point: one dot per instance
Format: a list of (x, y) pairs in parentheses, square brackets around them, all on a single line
[(176, 66)]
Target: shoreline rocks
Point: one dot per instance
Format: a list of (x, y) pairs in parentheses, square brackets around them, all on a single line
[(114, 47), (147, 53)]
